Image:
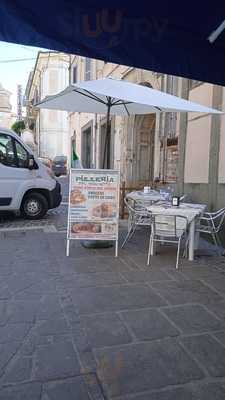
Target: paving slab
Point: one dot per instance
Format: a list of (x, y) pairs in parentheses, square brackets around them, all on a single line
[(5, 293), (26, 391), (3, 312), (188, 291), (105, 330), (7, 351), (57, 360), (78, 388), (208, 351), (168, 394), (18, 371), (145, 366), (22, 311), (210, 391), (112, 298), (201, 272), (13, 332), (49, 307), (193, 319), (151, 275), (220, 336), (149, 324), (85, 280), (217, 283), (57, 326), (84, 348), (85, 264), (215, 391)]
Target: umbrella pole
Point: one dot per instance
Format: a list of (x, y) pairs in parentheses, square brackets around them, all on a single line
[(108, 131)]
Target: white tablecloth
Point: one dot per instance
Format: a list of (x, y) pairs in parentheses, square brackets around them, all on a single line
[(145, 198), (188, 210)]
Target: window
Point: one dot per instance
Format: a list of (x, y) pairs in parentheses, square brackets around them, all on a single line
[(12, 153), (21, 155), (7, 154), (87, 148), (74, 77), (87, 69)]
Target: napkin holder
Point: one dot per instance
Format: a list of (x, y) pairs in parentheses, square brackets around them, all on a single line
[(175, 201)]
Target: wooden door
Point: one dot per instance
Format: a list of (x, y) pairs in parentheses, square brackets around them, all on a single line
[(144, 132)]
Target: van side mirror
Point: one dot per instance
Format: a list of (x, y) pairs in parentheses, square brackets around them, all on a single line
[(31, 162)]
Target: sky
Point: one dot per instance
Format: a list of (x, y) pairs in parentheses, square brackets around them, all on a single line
[(12, 72)]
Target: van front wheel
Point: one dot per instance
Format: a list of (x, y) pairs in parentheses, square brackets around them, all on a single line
[(34, 206)]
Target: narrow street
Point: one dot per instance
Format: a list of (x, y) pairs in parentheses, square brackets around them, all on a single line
[(54, 221)]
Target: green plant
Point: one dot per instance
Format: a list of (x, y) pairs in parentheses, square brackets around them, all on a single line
[(18, 127)]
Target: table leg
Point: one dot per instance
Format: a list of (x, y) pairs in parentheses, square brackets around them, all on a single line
[(197, 237), (191, 240)]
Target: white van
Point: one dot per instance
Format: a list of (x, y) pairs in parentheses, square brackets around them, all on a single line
[(26, 185)]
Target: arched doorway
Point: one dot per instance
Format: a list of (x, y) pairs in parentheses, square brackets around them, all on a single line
[(144, 136)]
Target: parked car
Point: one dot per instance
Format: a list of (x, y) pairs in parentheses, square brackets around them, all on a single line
[(26, 185), (59, 165), (46, 161)]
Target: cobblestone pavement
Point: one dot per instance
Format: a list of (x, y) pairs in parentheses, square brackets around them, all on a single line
[(92, 327)]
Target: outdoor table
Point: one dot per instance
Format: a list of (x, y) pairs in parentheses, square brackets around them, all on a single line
[(189, 210)]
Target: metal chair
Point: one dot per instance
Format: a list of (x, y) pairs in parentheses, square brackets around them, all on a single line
[(211, 224), (183, 197), (138, 216), (167, 229)]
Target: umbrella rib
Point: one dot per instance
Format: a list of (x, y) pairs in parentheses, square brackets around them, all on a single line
[(90, 95), (120, 102), (157, 108), (126, 109)]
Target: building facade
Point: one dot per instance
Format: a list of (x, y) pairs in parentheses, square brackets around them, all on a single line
[(50, 76), (7, 118)]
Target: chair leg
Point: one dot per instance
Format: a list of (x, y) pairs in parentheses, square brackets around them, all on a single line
[(149, 249), (216, 243), (185, 252), (128, 235), (178, 253), (218, 239)]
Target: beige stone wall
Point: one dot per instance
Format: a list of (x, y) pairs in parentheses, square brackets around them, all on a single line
[(197, 150), (221, 174), (198, 138)]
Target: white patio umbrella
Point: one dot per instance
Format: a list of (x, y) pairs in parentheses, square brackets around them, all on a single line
[(118, 97)]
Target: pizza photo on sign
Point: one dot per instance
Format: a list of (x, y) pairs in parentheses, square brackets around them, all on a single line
[(104, 210), (77, 197), (85, 227)]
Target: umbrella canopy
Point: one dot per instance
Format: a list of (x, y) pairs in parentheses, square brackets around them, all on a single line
[(172, 37), (118, 97)]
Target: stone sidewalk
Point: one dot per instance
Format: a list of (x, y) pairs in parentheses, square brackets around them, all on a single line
[(92, 327)]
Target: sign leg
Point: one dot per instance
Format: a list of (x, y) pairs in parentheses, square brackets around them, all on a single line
[(67, 247), (116, 249)]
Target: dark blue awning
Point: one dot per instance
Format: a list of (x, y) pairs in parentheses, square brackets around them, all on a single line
[(164, 36)]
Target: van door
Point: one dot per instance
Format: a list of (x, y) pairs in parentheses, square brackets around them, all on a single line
[(14, 172)]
